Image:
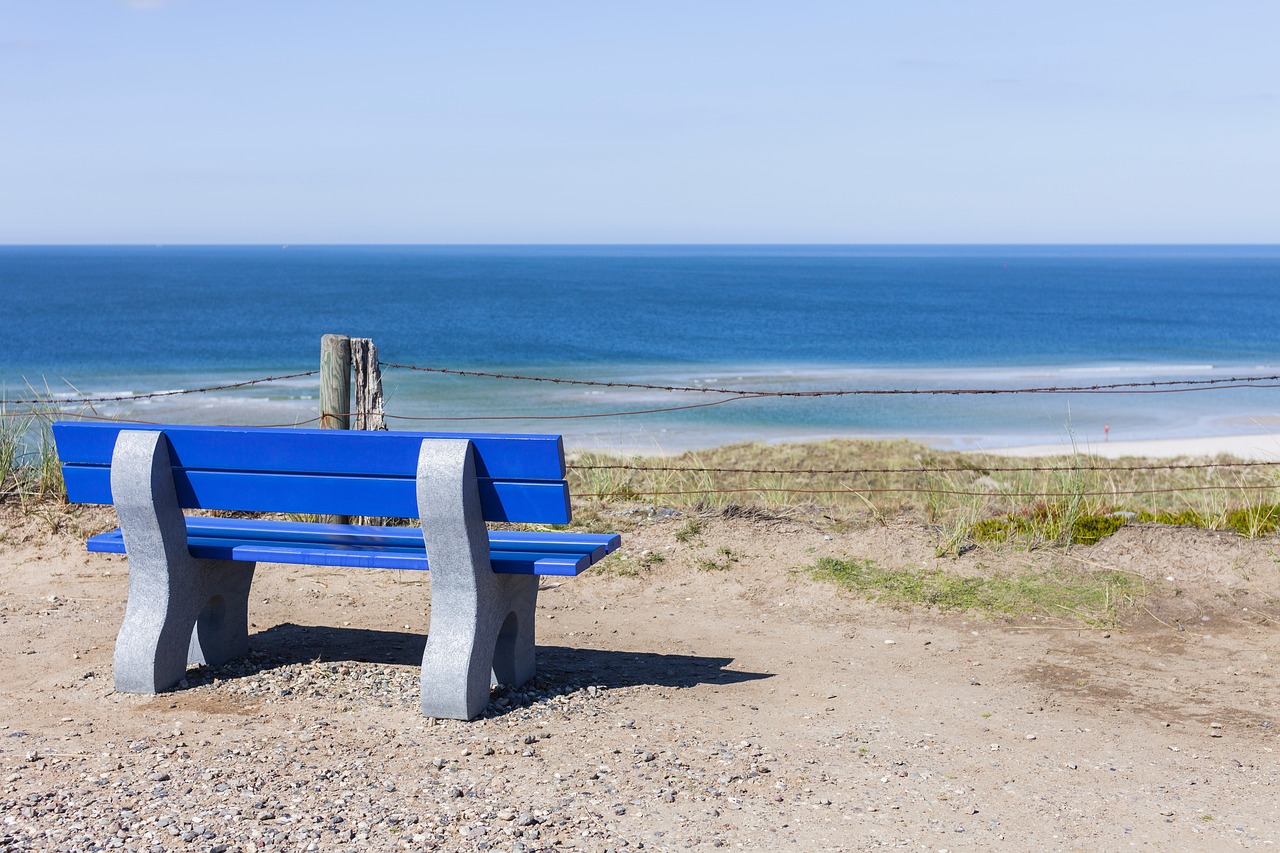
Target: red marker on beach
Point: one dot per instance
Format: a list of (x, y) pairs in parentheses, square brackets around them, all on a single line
[(1106, 432)]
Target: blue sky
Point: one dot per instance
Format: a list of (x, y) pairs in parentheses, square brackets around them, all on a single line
[(404, 121)]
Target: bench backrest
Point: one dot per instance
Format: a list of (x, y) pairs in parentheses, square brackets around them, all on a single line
[(323, 472)]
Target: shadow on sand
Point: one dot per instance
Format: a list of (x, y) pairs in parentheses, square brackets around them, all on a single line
[(288, 643)]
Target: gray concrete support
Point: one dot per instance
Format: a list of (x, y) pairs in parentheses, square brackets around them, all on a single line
[(481, 630), (181, 609)]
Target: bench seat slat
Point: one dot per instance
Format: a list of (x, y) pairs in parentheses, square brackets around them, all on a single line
[(501, 500), (374, 535), (500, 456), (511, 552)]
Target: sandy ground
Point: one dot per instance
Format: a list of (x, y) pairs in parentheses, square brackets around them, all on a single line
[(677, 707), (1261, 446)]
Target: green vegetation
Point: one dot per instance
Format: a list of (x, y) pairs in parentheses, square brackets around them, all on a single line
[(1048, 524), (967, 499), (691, 528), (29, 469), (1093, 597), (721, 562)]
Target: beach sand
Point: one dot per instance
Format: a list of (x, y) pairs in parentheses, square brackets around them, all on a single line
[(750, 707), (1261, 447)]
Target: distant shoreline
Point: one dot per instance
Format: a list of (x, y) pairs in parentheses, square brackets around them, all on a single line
[(1261, 447)]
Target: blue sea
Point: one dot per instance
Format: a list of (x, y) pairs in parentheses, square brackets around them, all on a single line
[(108, 321)]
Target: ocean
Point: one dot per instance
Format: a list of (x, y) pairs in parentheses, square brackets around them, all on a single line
[(127, 320)]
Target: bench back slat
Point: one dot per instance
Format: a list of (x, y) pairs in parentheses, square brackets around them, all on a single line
[(322, 471)]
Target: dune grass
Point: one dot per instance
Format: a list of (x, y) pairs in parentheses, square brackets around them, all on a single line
[(29, 468), (967, 499), (972, 500)]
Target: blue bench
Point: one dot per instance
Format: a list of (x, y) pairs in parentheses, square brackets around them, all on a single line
[(189, 577)]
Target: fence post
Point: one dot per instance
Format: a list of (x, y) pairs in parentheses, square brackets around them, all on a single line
[(335, 392), (335, 382), (369, 402)]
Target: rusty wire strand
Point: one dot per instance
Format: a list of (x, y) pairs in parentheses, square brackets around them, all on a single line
[(920, 491), (926, 470), (572, 417), (1113, 388), (124, 398), (80, 416)]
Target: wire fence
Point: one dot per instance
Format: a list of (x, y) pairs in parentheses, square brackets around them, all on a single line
[(48, 406), (1162, 387)]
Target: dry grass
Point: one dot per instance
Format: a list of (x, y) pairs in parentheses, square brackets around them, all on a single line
[(29, 469), (974, 498), (966, 498)]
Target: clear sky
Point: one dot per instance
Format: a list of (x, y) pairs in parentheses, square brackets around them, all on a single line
[(407, 121)]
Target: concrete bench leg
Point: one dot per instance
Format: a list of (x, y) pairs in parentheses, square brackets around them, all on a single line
[(181, 609), (481, 629)]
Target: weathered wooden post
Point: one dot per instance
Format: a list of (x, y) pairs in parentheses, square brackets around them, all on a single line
[(369, 402), (335, 392), (335, 382)]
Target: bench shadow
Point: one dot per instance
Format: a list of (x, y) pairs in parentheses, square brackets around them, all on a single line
[(288, 643)]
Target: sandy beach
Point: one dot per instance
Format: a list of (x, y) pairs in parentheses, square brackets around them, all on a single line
[(1260, 447)]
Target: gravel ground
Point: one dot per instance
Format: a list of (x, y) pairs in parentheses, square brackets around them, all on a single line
[(676, 707)]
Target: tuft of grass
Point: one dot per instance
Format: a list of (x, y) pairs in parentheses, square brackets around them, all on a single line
[(691, 528), (723, 560), (1048, 524), (1091, 597), (29, 465), (1181, 518), (1254, 520), (10, 450)]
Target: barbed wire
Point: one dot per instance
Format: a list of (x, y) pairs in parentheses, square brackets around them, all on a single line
[(81, 416), (926, 470), (1153, 387), (122, 398), (633, 493), (568, 417)]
